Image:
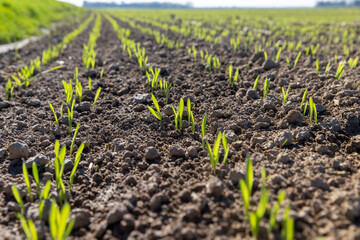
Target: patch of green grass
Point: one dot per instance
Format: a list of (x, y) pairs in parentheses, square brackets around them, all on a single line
[(21, 18)]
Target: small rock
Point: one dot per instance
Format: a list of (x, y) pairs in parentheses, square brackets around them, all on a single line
[(283, 157), (39, 160), (131, 181), (114, 67), (191, 152), (39, 128), (97, 177), (252, 94), (4, 104), (116, 213), (151, 154), (140, 98), (177, 151), (18, 150), (185, 196), (91, 73), (82, 217), (2, 152), (68, 165), (295, 117), (83, 107), (191, 213), (157, 200), (319, 182), (284, 138), (215, 187), (235, 176), (269, 64), (34, 102), (127, 224)]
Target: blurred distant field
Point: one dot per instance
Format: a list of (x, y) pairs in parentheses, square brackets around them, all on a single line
[(22, 18)]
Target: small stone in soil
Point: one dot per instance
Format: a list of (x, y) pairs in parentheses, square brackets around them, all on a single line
[(39, 160), (151, 154), (177, 151), (294, 116), (18, 150)]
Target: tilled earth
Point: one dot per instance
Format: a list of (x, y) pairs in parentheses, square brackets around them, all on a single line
[(141, 180)]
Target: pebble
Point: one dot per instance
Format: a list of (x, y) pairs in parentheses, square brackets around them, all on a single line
[(140, 98), (252, 94), (283, 157), (284, 138), (294, 116), (191, 152), (82, 217), (128, 223), (97, 177), (39, 160), (319, 182), (177, 151), (157, 200), (83, 107), (116, 213), (34, 102), (151, 154), (4, 104), (215, 187), (18, 150), (269, 64)]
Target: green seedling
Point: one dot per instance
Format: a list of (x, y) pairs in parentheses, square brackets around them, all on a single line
[(214, 154), (287, 61), (71, 115), (190, 115), (96, 96), (36, 177), (73, 140), (303, 99), (68, 89), (28, 227), (27, 180), (265, 56), (45, 193), (274, 210), (156, 113), (178, 115), (297, 59), (313, 111), (285, 95), (327, 69), (246, 185), (256, 217), (165, 87), (353, 62), (340, 70), (226, 148), (256, 83), (9, 90), (76, 163), (89, 83), (287, 231), (266, 87), (203, 130), (53, 111), (60, 227), (278, 55), (78, 91), (102, 73), (317, 66), (62, 110), (59, 163), (17, 197), (194, 52)]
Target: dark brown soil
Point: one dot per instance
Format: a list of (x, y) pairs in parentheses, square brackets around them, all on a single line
[(176, 196)]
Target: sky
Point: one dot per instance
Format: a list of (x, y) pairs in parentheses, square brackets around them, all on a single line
[(222, 3)]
